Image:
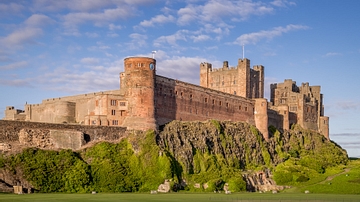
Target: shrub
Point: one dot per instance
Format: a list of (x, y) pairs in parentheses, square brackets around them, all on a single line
[(237, 184)]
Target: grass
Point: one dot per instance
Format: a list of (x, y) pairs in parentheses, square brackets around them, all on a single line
[(346, 182), (337, 180), (176, 197)]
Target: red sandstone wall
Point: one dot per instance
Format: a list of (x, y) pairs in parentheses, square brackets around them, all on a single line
[(176, 100)]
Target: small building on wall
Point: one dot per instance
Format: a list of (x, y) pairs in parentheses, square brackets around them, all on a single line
[(146, 100)]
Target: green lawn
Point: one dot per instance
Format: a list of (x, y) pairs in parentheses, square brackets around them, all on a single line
[(187, 197)]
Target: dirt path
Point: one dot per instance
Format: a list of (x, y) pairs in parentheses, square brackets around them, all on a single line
[(331, 177)]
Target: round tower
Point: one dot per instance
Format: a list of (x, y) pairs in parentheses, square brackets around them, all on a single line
[(138, 83)]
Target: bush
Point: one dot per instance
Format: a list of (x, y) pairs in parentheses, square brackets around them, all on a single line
[(237, 184)]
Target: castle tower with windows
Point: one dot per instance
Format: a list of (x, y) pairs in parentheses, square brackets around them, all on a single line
[(240, 80), (304, 105), (138, 86)]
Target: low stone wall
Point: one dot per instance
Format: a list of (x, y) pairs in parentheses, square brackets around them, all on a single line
[(54, 136)]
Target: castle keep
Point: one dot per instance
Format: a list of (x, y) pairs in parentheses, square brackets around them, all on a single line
[(146, 100)]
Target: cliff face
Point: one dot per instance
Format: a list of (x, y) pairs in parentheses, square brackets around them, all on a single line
[(234, 141), (239, 147), (192, 155)]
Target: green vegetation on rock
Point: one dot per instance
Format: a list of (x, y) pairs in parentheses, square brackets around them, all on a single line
[(194, 156)]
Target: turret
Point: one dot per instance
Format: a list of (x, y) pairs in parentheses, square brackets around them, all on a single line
[(244, 77), (205, 68), (138, 84)]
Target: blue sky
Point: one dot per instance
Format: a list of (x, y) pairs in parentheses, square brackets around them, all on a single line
[(52, 48)]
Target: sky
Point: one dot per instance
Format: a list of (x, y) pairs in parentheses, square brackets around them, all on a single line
[(51, 48)]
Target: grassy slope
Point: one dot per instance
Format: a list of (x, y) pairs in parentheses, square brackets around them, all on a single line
[(179, 197), (337, 180)]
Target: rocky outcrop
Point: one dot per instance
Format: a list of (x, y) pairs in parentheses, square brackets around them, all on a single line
[(261, 181), (232, 140), (165, 187), (10, 179)]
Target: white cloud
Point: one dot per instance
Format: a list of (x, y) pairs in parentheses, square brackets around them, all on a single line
[(215, 10), (91, 35), (171, 39), (137, 41), (15, 82), (159, 19), (21, 37), (76, 80), (201, 37), (38, 20), (254, 37), (283, 3), (90, 61), (84, 5), (180, 68), (112, 35), (113, 27), (27, 32), (72, 20), (332, 54), (12, 8), (15, 65), (187, 15), (348, 105)]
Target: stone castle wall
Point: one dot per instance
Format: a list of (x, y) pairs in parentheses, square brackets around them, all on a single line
[(54, 136), (177, 100)]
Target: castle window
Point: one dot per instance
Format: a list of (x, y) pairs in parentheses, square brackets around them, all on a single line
[(115, 122), (220, 103), (122, 104), (181, 94), (113, 112), (190, 96), (227, 105), (205, 100), (93, 122), (213, 101), (293, 108), (113, 102), (139, 64), (246, 109), (122, 113), (240, 107)]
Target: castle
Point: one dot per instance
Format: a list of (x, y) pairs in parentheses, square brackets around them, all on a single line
[(146, 100)]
